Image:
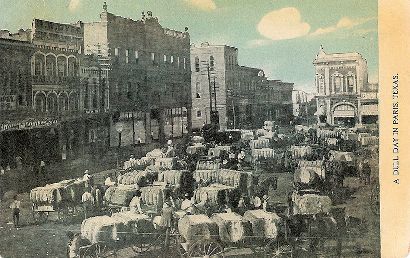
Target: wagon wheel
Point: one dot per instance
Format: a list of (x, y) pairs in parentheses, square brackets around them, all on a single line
[(206, 249), (40, 216), (375, 199), (147, 243), (275, 248), (62, 214), (99, 251)]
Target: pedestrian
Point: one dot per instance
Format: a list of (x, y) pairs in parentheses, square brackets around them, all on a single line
[(42, 170), (15, 207), (167, 219), (152, 135), (135, 204), (139, 141), (87, 200), (87, 179), (19, 163)]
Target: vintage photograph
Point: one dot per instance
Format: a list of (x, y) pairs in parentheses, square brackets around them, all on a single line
[(189, 128)]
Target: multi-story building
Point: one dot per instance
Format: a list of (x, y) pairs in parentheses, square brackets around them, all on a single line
[(15, 102), (56, 124), (299, 99), (242, 95), (148, 76), (344, 95)]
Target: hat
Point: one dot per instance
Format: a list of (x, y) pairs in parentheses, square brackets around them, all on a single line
[(265, 197), (186, 195), (86, 171)]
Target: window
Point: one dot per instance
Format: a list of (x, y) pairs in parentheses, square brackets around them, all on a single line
[(129, 93), (165, 58), (178, 61), (211, 63), (338, 84), (198, 113), (196, 64), (136, 56), (116, 51), (350, 83), (153, 58), (126, 56), (184, 63), (198, 90), (172, 59)]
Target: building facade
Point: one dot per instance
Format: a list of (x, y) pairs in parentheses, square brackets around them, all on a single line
[(344, 95), (15, 102), (45, 94), (243, 96), (148, 76)]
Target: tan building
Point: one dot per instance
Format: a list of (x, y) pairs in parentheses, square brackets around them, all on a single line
[(244, 96), (148, 76), (344, 95)]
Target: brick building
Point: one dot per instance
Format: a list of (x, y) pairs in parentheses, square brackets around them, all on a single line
[(245, 98), (15, 100), (344, 95), (148, 76)]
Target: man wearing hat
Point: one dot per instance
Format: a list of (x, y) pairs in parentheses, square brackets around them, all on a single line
[(186, 204), (86, 178)]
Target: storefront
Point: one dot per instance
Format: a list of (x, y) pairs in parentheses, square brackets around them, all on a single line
[(32, 140)]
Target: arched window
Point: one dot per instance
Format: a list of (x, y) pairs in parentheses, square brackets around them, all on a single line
[(72, 66), (196, 64), (351, 82), (211, 63), (337, 82), (320, 84), (52, 106), (73, 100), (40, 102), (62, 102), (61, 66), (51, 64), (39, 64)]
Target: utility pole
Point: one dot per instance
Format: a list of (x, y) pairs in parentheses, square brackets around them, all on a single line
[(210, 90), (215, 95)]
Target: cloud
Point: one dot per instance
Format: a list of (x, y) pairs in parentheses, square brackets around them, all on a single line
[(73, 5), (343, 23), (283, 24), (206, 5), (258, 43)]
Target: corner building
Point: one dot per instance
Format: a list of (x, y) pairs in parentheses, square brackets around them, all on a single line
[(148, 76), (344, 95), (245, 98)]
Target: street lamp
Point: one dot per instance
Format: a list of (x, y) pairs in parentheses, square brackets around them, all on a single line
[(119, 127)]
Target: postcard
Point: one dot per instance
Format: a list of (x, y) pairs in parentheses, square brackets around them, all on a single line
[(204, 128)]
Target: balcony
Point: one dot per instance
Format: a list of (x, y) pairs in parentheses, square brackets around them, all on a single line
[(51, 79)]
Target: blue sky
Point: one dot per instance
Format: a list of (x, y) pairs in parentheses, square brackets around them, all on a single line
[(280, 36)]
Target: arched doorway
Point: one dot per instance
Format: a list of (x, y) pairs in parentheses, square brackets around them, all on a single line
[(344, 114)]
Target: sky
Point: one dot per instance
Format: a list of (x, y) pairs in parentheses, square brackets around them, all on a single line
[(280, 36)]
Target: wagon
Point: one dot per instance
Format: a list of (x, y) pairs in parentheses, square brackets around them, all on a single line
[(62, 197), (108, 234), (222, 233)]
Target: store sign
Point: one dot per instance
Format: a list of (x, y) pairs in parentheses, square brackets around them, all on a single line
[(27, 124), (8, 102)]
